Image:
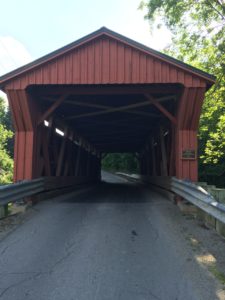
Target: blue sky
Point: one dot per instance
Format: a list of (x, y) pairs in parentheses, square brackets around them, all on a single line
[(30, 29)]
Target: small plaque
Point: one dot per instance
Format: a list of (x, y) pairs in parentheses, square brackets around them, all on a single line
[(188, 154)]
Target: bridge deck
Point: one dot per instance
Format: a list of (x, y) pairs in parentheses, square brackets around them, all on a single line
[(117, 241)]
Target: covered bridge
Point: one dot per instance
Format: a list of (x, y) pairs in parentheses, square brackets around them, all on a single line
[(105, 93)]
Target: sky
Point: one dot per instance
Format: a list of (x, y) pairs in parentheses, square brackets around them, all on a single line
[(30, 29)]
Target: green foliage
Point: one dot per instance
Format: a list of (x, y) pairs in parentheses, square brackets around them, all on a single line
[(120, 162), (198, 29), (6, 120), (6, 162)]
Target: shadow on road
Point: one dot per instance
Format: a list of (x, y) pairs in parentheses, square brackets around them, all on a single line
[(121, 192)]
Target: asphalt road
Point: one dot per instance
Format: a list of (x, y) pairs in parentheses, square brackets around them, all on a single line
[(117, 241)]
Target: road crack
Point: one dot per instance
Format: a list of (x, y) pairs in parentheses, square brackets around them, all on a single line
[(64, 257), (33, 277)]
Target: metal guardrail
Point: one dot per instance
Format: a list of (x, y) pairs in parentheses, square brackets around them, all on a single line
[(199, 197), (187, 190), (17, 191)]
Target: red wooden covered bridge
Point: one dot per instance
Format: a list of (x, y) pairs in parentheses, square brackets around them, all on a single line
[(105, 93)]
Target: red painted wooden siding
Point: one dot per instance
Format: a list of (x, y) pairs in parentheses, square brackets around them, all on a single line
[(106, 61)]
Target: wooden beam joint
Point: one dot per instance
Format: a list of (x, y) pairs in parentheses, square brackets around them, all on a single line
[(161, 108)]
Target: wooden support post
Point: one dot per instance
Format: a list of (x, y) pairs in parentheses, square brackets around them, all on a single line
[(55, 151), (163, 152), (45, 150), (69, 150), (24, 110), (77, 166), (172, 156), (153, 158), (60, 160), (88, 163)]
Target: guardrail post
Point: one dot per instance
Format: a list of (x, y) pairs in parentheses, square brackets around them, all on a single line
[(2, 212)]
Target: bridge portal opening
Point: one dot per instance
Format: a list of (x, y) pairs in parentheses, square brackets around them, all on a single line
[(108, 119)]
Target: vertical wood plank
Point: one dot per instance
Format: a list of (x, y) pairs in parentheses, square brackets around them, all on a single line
[(120, 63), (15, 169), (105, 61), (157, 71), (21, 155), (135, 66), (90, 64), (84, 65), (69, 69), (128, 65), (112, 61), (76, 66), (98, 62), (150, 70), (142, 69)]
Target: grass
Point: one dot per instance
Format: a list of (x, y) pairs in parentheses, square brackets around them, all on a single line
[(219, 275)]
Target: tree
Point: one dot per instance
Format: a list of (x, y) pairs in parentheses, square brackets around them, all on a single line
[(6, 162), (6, 120), (198, 30), (120, 162)]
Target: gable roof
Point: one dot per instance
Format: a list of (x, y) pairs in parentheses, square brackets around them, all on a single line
[(107, 32)]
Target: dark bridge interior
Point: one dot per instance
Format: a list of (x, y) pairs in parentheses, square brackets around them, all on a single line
[(112, 118)]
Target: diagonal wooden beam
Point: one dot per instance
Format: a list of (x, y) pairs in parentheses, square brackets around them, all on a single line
[(111, 110), (52, 108), (161, 108), (94, 105)]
